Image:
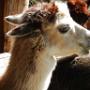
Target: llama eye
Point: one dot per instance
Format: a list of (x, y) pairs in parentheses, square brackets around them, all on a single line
[(63, 28)]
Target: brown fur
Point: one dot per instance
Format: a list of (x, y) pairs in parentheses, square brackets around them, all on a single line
[(23, 61), (71, 73)]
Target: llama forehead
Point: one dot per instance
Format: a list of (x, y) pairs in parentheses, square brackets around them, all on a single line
[(62, 8)]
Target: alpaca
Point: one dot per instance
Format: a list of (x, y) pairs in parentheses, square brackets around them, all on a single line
[(36, 42)]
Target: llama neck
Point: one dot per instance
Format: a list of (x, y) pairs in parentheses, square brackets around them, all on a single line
[(29, 67)]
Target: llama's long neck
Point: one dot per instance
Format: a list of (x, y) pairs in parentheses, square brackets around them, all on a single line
[(29, 67)]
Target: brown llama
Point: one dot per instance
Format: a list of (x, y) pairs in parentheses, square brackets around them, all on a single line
[(36, 41), (71, 73)]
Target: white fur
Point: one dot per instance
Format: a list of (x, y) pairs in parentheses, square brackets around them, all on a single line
[(46, 65), (4, 62), (62, 8)]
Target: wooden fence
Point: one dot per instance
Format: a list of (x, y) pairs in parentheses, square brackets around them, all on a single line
[(1, 27)]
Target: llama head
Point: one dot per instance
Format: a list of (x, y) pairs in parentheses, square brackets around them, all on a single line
[(61, 34)]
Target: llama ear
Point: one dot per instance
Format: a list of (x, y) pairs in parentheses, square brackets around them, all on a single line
[(16, 19), (20, 31)]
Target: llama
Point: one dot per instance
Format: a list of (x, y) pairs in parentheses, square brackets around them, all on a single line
[(35, 44), (71, 73)]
